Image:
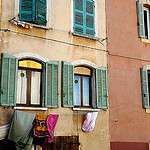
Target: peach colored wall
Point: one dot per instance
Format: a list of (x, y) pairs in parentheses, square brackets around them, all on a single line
[(13, 44), (128, 120)]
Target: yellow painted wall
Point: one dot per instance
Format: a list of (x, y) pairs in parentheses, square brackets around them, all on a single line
[(13, 43)]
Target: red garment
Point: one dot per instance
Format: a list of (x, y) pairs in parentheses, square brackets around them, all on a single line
[(51, 123)]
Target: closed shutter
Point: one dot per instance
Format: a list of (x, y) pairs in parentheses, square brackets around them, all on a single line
[(140, 16), (27, 10), (8, 80), (102, 87), (78, 17), (68, 86), (144, 84), (41, 10), (90, 18), (52, 84)]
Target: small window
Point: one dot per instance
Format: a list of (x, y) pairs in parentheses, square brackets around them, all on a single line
[(146, 22), (33, 11), (84, 17), (29, 83), (82, 85)]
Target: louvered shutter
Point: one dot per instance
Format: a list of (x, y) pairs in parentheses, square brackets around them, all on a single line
[(68, 86), (90, 18), (41, 11), (144, 84), (52, 84), (140, 16), (27, 10), (78, 17), (8, 80), (102, 87)]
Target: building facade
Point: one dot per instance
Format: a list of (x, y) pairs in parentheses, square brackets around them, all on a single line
[(129, 59), (54, 61)]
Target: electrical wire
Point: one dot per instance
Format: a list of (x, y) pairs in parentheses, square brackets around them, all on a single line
[(54, 40)]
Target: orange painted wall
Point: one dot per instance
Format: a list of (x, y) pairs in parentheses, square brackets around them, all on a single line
[(128, 120)]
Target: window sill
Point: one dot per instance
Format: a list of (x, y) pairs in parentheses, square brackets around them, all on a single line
[(30, 108), (147, 110), (89, 109), (145, 40), (28, 25), (89, 37)]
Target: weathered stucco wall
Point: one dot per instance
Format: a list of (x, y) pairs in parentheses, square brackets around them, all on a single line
[(129, 123), (13, 43)]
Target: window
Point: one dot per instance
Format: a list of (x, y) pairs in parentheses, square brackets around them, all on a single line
[(34, 82), (84, 87), (143, 20), (33, 11), (29, 83), (84, 17), (82, 84), (145, 83)]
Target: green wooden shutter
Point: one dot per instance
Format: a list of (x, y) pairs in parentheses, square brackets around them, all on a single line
[(52, 84), (8, 80), (90, 18), (144, 84), (27, 10), (78, 17), (101, 87), (41, 11), (67, 84), (140, 16)]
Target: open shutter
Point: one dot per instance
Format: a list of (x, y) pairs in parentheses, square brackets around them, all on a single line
[(78, 17), (140, 16), (8, 80), (144, 84), (27, 10), (41, 11), (90, 18), (68, 86), (52, 84), (102, 87)]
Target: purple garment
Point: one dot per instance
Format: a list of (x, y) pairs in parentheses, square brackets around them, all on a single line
[(89, 122), (51, 123)]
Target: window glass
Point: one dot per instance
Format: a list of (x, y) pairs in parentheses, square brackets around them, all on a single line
[(86, 90), (77, 89)]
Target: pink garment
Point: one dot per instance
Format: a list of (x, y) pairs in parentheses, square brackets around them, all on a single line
[(51, 123), (89, 122)]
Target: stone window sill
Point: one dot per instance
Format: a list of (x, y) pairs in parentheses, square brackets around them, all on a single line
[(30, 108), (145, 40), (89, 109)]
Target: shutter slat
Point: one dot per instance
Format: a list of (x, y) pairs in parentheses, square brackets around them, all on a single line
[(41, 11), (68, 86), (27, 10), (52, 84), (140, 17), (102, 87), (8, 80), (144, 84)]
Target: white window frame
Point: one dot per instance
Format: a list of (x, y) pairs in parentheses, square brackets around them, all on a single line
[(148, 18), (18, 22), (96, 21)]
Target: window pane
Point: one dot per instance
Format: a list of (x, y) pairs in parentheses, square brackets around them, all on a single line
[(21, 87), (35, 87), (30, 64), (82, 70), (77, 95), (85, 91)]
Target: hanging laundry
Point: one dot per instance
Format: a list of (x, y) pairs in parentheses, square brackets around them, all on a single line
[(89, 122), (51, 123), (4, 131), (21, 130), (40, 127)]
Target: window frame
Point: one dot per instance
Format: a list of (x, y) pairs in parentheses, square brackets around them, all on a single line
[(23, 23), (90, 87), (148, 23), (28, 102)]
